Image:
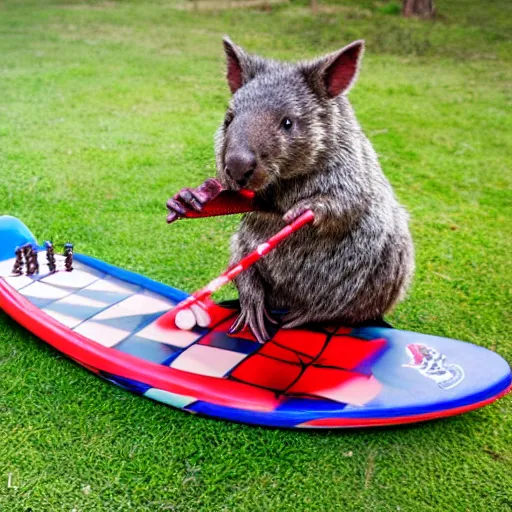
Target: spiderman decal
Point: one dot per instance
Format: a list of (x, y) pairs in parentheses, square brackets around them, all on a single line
[(318, 364)]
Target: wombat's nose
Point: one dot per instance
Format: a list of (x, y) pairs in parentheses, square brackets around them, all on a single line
[(240, 166)]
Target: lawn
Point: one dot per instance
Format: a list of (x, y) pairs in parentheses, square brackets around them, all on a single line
[(107, 108)]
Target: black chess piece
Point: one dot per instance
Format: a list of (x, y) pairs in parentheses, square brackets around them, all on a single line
[(50, 256), (35, 259), (27, 254), (30, 259), (68, 255), (17, 269)]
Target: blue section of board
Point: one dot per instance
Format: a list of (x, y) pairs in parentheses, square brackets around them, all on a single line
[(13, 233), (231, 343), (134, 386), (149, 350), (290, 413), (473, 373)]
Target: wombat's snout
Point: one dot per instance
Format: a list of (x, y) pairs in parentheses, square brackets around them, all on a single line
[(240, 166)]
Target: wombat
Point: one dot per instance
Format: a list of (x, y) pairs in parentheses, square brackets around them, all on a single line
[(291, 136)]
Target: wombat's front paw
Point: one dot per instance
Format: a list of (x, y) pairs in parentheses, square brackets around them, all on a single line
[(254, 317), (192, 199), (302, 207)]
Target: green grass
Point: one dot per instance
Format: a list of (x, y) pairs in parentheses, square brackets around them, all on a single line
[(108, 108)]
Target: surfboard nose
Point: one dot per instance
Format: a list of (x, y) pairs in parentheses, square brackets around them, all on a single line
[(13, 233)]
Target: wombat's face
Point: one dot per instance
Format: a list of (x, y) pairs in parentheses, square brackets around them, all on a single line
[(272, 129), (278, 119)]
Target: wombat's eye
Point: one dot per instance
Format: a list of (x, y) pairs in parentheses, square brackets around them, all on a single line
[(229, 117), (286, 124)]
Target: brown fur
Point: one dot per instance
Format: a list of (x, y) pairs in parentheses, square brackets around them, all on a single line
[(356, 262)]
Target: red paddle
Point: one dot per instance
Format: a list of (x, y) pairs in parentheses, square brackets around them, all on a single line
[(194, 309)]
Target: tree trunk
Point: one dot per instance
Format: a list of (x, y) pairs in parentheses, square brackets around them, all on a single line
[(421, 8), (314, 6)]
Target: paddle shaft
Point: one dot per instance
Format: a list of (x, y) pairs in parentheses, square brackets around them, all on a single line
[(245, 262)]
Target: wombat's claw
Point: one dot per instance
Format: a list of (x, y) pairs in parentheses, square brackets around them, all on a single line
[(254, 318), (297, 210), (269, 318), (184, 201), (239, 324), (192, 199), (176, 206), (294, 319)]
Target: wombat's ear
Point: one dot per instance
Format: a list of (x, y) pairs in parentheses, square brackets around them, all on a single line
[(336, 73), (241, 67)]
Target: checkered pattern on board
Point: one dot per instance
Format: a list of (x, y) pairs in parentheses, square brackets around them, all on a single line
[(295, 363), (114, 313), (104, 309)]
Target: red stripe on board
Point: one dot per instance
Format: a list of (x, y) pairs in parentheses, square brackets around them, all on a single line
[(214, 390), (399, 420), (93, 355)]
